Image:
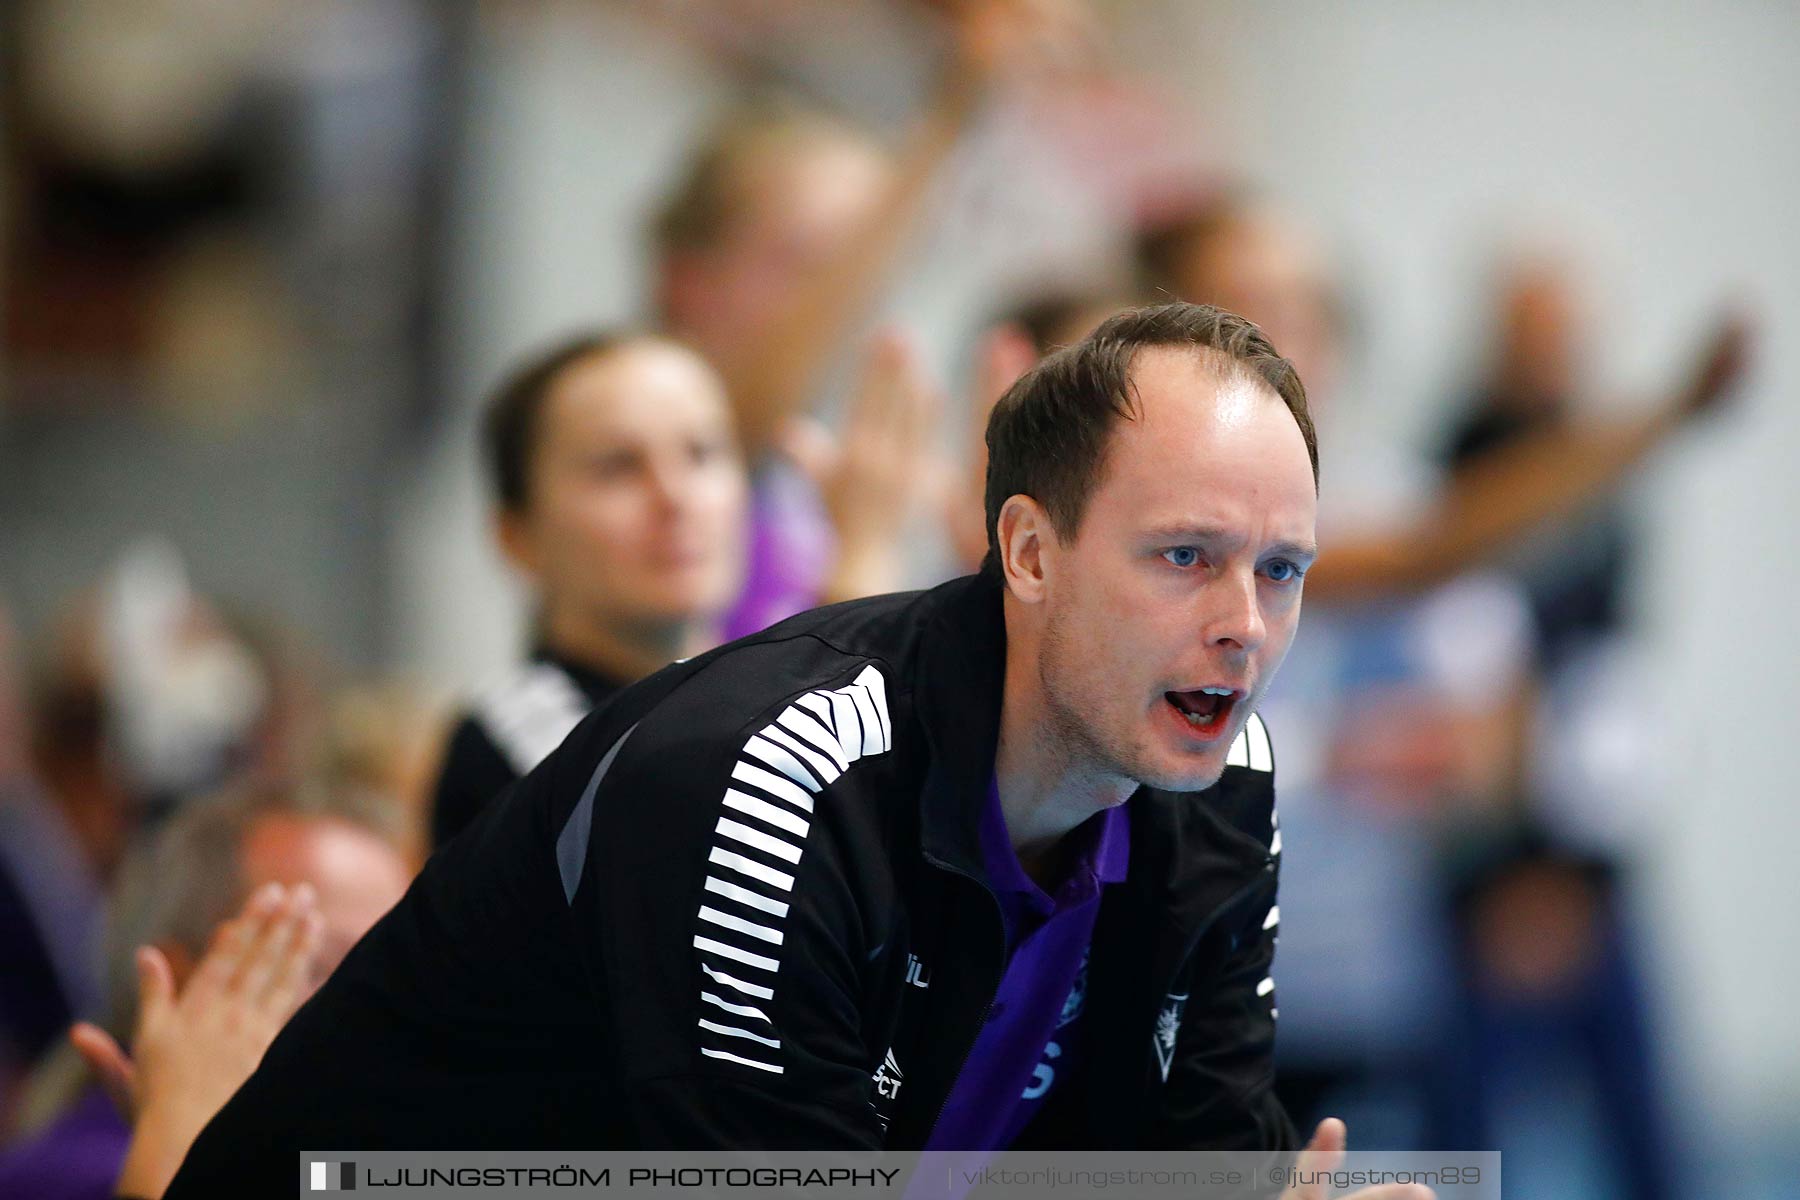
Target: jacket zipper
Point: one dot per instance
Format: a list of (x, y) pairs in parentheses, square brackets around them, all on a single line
[(988, 1008)]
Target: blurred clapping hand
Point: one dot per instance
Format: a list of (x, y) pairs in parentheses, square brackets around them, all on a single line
[(193, 1048), (875, 475)]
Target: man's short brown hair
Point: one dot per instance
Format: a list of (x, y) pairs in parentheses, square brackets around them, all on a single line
[(1048, 434)]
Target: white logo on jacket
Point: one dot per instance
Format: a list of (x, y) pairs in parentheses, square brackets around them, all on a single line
[(887, 1077), (917, 973), (1168, 1025)]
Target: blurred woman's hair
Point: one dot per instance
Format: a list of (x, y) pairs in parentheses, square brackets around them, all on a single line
[(515, 412), (714, 186)]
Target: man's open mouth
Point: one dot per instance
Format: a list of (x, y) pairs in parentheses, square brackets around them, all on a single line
[(1206, 709)]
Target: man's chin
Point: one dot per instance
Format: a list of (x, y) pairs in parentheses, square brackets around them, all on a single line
[(1189, 773)]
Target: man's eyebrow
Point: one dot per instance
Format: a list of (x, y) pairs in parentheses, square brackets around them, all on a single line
[(1195, 533), (1306, 550)]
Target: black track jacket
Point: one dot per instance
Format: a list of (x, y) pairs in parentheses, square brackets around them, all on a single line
[(741, 891)]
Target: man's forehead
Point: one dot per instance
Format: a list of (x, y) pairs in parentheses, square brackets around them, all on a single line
[(1190, 399), (1204, 433)]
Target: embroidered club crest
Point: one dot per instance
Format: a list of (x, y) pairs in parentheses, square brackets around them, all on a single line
[(1168, 1025), (1077, 997)]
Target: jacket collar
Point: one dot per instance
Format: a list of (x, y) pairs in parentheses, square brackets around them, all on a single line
[(957, 693), (1176, 838)]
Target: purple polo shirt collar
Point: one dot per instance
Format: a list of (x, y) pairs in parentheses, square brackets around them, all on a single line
[(1102, 855)]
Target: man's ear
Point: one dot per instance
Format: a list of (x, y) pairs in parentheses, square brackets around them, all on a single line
[(1023, 532), (513, 532)]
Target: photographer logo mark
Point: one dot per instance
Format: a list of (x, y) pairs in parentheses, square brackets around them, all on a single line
[(332, 1177)]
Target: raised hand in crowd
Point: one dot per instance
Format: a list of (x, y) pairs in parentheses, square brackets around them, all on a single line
[(1538, 478), (875, 475), (996, 44), (195, 1046), (1720, 367)]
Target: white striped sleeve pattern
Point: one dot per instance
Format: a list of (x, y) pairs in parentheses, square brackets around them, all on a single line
[(1272, 926), (764, 817), (1251, 748), (1252, 751)]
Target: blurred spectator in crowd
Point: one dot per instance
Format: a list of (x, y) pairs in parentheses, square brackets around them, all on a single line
[(1054, 319), (1549, 1051), (1595, 759), (620, 495), (1246, 256), (1550, 998), (149, 696), (1531, 384), (192, 700), (1050, 318), (385, 740), (204, 993), (1402, 532), (62, 812), (769, 249)]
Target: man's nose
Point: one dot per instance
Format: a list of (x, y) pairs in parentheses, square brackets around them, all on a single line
[(1234, 616)]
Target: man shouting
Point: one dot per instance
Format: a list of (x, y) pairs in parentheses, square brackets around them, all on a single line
[(987, 866)]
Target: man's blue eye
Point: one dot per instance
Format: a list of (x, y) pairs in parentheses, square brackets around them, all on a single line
[(1182, 556), (1282, 571)]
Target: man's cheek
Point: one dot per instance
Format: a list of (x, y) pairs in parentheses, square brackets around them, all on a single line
[(1120, 599)]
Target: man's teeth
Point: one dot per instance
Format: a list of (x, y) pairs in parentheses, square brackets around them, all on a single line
[(1218, 710)]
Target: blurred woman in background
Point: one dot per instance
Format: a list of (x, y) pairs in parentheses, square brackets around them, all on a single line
[(620, 497)]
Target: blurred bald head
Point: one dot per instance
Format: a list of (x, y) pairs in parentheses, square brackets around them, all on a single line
[(204, 863), (356, 874)]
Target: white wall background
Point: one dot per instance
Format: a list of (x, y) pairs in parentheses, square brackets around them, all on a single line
[(1665, 140)]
